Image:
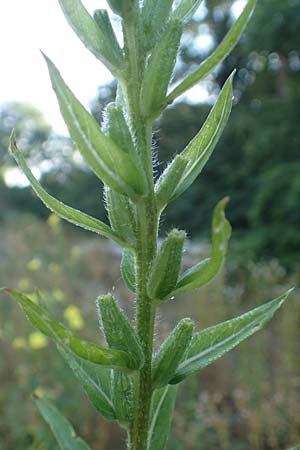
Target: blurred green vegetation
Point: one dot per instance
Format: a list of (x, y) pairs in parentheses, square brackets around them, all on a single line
[(248, 399), (251, 398)]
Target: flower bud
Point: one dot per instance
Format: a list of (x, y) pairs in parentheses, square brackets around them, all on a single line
[(121, 7), (159, 70), (171, 353), (122, 396), (121, 213), (118, 332), (166, 266), (167, 183), (128, 269), (117, 129)]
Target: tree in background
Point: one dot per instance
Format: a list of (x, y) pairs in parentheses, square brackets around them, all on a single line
[(30, 125), (260, 171)]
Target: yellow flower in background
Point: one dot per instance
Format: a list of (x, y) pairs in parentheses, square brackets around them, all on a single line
[(34, 264), (75, 252), (40, 392), (54, 268), (19, 343), (73, 316), (35, 296), (23, 284), (54, 222), (58, 295), (37, 340)]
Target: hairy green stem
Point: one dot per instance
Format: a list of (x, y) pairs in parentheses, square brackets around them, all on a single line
[(145, 316), (147, 226)]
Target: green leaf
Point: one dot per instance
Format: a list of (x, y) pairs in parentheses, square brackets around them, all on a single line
[(128, 269), (155, 14), (65, 212), (166, 266), (162, 405), (118, 331), (203, 272), (199, 150), (223, 50), (95, 381), (66, 338), (98, 36), (168, 181), (159, 70), (210, 344), (171, 353), (294, 448), (60, 426), (186, 9), (112, 165)]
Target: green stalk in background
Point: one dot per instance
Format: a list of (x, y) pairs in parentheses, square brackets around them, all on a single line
[(126, 381)]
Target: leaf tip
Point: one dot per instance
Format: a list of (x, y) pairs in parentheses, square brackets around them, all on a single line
[(35, 396), (13, 142), (6, 289), (225, 200), (288, 292), (231, 76), (105, 299), (46, 58), (48, 61)]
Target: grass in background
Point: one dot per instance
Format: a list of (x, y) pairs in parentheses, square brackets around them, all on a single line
[(235, 409)]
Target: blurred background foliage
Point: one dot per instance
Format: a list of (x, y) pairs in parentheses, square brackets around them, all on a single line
[(251, 398)]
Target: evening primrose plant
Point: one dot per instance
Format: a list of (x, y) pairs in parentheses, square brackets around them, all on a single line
[(126, 380)]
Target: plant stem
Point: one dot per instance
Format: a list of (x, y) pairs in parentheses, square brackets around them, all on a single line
[(145, 316), (147, 228), (147, 225)]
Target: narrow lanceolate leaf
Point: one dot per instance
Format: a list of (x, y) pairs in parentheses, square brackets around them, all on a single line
[(212, 343), (155, 14), (166, 266), (98, 37), (66, 338), (206, 270), (171, 353), (223, 50), (203, 144), (112, 48), (122, 396), (60, 426), (168, 181), (65, 212), (118, 332), (159, 70), (95, 381), (162, 406), (111, 164), (121, 213), (186, 9), (128, 269)]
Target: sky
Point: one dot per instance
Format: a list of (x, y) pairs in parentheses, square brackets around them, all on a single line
[(26, 26)]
